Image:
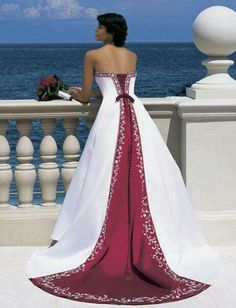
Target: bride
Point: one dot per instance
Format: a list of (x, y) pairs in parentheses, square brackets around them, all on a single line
[(127, 232)]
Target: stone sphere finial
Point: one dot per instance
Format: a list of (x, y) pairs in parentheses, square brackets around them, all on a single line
[(214, 31)]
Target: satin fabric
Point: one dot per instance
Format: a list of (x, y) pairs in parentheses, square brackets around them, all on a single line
[(127, 231)]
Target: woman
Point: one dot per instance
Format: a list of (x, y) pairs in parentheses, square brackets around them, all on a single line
[(127, 232)]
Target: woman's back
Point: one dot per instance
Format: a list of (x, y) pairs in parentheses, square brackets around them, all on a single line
[(114, 59)]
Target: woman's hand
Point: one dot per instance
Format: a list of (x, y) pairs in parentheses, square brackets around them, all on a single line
[(74, 90), (96, 92)]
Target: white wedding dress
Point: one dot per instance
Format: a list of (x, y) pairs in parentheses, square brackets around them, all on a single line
[(127, 231)]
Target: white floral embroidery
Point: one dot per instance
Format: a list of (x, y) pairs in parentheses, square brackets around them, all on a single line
[(106, 74)]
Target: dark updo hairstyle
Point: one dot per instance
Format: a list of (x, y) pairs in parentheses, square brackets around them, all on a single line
[(116, 25)]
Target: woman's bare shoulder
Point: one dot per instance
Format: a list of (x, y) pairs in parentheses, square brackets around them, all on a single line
[(103, 51), (91, 51), (94, 52), (134, 54), (108, 48)]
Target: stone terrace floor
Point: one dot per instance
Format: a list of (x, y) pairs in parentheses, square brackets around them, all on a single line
[(17, 291)]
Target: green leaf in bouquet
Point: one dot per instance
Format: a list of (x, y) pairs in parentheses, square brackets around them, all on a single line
[(58, 88), (59, 80), (49, 91), (43, 95), (65, 87)]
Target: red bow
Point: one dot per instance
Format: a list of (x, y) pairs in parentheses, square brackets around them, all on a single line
[(125, 95)]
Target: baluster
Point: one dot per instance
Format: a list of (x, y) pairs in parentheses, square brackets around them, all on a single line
[(24, 126), (3, 127), (48, 125), (25, 174), (6, 174), (48, 171), (70, 125), (71, 149)]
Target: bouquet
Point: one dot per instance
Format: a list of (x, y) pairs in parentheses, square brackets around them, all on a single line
[(52, 87)]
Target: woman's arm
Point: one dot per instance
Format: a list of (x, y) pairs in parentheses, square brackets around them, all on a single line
[(96, 92), (77, 90)]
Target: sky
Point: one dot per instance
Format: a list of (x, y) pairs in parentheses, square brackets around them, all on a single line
[(73, 21)]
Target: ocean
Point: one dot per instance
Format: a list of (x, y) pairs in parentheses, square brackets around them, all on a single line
[(163, 69)]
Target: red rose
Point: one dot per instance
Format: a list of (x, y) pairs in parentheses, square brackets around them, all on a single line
[(50, 81)]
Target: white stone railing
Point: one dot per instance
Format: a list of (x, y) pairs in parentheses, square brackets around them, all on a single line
[(24, 111)]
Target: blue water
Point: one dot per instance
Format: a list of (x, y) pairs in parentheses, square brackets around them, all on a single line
[(164, 69)]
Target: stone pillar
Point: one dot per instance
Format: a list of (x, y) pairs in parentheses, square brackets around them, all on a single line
[(208, 128)]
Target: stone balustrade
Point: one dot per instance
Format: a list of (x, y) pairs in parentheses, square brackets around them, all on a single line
[(24, 112), (25, 223), (48, 173), (200, 135)]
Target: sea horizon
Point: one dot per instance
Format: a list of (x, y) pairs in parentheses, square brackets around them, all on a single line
[(164, 68)]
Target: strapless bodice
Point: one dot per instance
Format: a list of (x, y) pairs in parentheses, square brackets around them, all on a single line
[(108, 74), (116, 85)]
